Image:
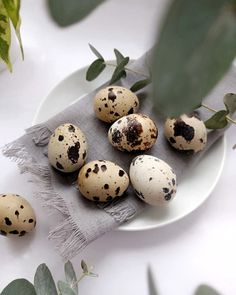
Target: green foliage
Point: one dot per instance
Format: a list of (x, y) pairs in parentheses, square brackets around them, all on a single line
[(9, 12), (45, 285), (43, 281), (71, 276), (119, 70), (206, 290), (140, 84), (97, 66), (95, 69), (19, 287), (65, 288), (13, 10), (151, 285), (217, 121), (5, 36), (230, 102), (196, 46), (221, 118), (67, 12)]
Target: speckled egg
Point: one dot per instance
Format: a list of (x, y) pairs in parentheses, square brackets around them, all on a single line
[(102, 181), (114, 102), (153, 180), (136, 132), (67, 148), (16, 215), (186, 133)]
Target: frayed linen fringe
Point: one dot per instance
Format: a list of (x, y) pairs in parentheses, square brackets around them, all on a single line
[(68, 238)]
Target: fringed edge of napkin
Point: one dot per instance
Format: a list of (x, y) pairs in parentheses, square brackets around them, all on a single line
[(68, 238)]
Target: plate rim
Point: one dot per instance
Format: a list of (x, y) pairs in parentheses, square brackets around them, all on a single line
[(123, 227)]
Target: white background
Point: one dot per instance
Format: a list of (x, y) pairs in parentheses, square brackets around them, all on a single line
[(200, 248)]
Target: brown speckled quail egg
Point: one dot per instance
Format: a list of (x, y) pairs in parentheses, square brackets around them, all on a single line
[(114, 102), (102, 181), (135, 132), (67, 148), (153, 180), (187, 133), (16, 215)]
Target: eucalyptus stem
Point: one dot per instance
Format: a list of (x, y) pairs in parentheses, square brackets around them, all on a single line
[(128, 69), (79, 279), (215, 111)]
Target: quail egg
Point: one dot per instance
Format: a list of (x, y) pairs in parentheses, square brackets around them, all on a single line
[(102, 181), (114, 102), (67, 148), (17, 217), (153, 180), (135, 132), (187, 133)]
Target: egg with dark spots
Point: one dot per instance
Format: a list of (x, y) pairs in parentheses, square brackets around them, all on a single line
[(17, 217), (153, 180), (67, 148), (114, 102), (102, 181), (186, 133), (135, 132)]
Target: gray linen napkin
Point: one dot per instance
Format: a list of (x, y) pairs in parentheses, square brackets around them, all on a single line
[(84, 221)]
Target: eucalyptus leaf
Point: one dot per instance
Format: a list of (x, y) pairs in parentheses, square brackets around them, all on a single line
[(71, 276), (217, 121), (19, 287), (67, 12), (119, 71), (151, 285), (119, 56), (95, 69), (206, 290), (43, 281), (196, 46), (5, 36), (13, 11), (230, 102), (94, 50), (140, 84), (84, 266), (65, 289)]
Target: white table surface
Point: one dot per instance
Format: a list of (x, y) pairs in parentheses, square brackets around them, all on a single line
[(200, 248)]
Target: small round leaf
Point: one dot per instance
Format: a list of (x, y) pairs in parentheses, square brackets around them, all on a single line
[(19, 287)]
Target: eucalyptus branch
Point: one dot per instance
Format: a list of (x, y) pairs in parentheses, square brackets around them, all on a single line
[(128, 69), (120, 69), (229, 119)]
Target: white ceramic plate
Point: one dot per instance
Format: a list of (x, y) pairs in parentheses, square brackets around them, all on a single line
[(194, 188)]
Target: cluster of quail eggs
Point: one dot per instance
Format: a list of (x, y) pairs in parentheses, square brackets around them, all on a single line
[(153, 180), (101, 180)]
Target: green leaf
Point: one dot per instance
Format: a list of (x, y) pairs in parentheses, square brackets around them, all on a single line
[(5, 36), (95, 69), (205, 290), (94, 50), (151, 285), (196, 46), (217, 121), (119, 71), (71, 276), (65, 289), (13, 11), (19, 287), (43, 281), (140, 84), (67, 12), (84, 266), (230, 102), (119, 56)]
